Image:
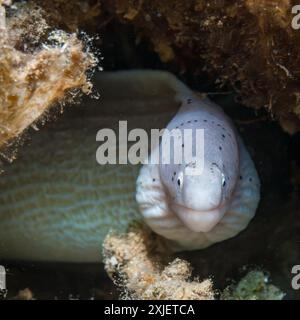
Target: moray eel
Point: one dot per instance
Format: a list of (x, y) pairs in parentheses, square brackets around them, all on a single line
[(57, 203)]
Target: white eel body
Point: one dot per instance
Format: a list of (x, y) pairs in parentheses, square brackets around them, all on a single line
[(57, 203)]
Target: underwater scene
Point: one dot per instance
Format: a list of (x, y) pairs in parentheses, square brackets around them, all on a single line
[(149, 150)]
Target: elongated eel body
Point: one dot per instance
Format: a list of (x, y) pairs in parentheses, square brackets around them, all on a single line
[(57, 203)]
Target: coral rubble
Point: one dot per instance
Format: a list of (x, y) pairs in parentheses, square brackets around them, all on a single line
[(131, 262), (70, 15), (135, 264), (37, 67), (254, 286), (247, 45), (25, 294)]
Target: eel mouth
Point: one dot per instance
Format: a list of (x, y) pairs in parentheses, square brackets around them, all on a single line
[(199, 221)]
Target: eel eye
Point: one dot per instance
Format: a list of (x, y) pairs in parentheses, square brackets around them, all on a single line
[(223, 181), (180, 180)]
